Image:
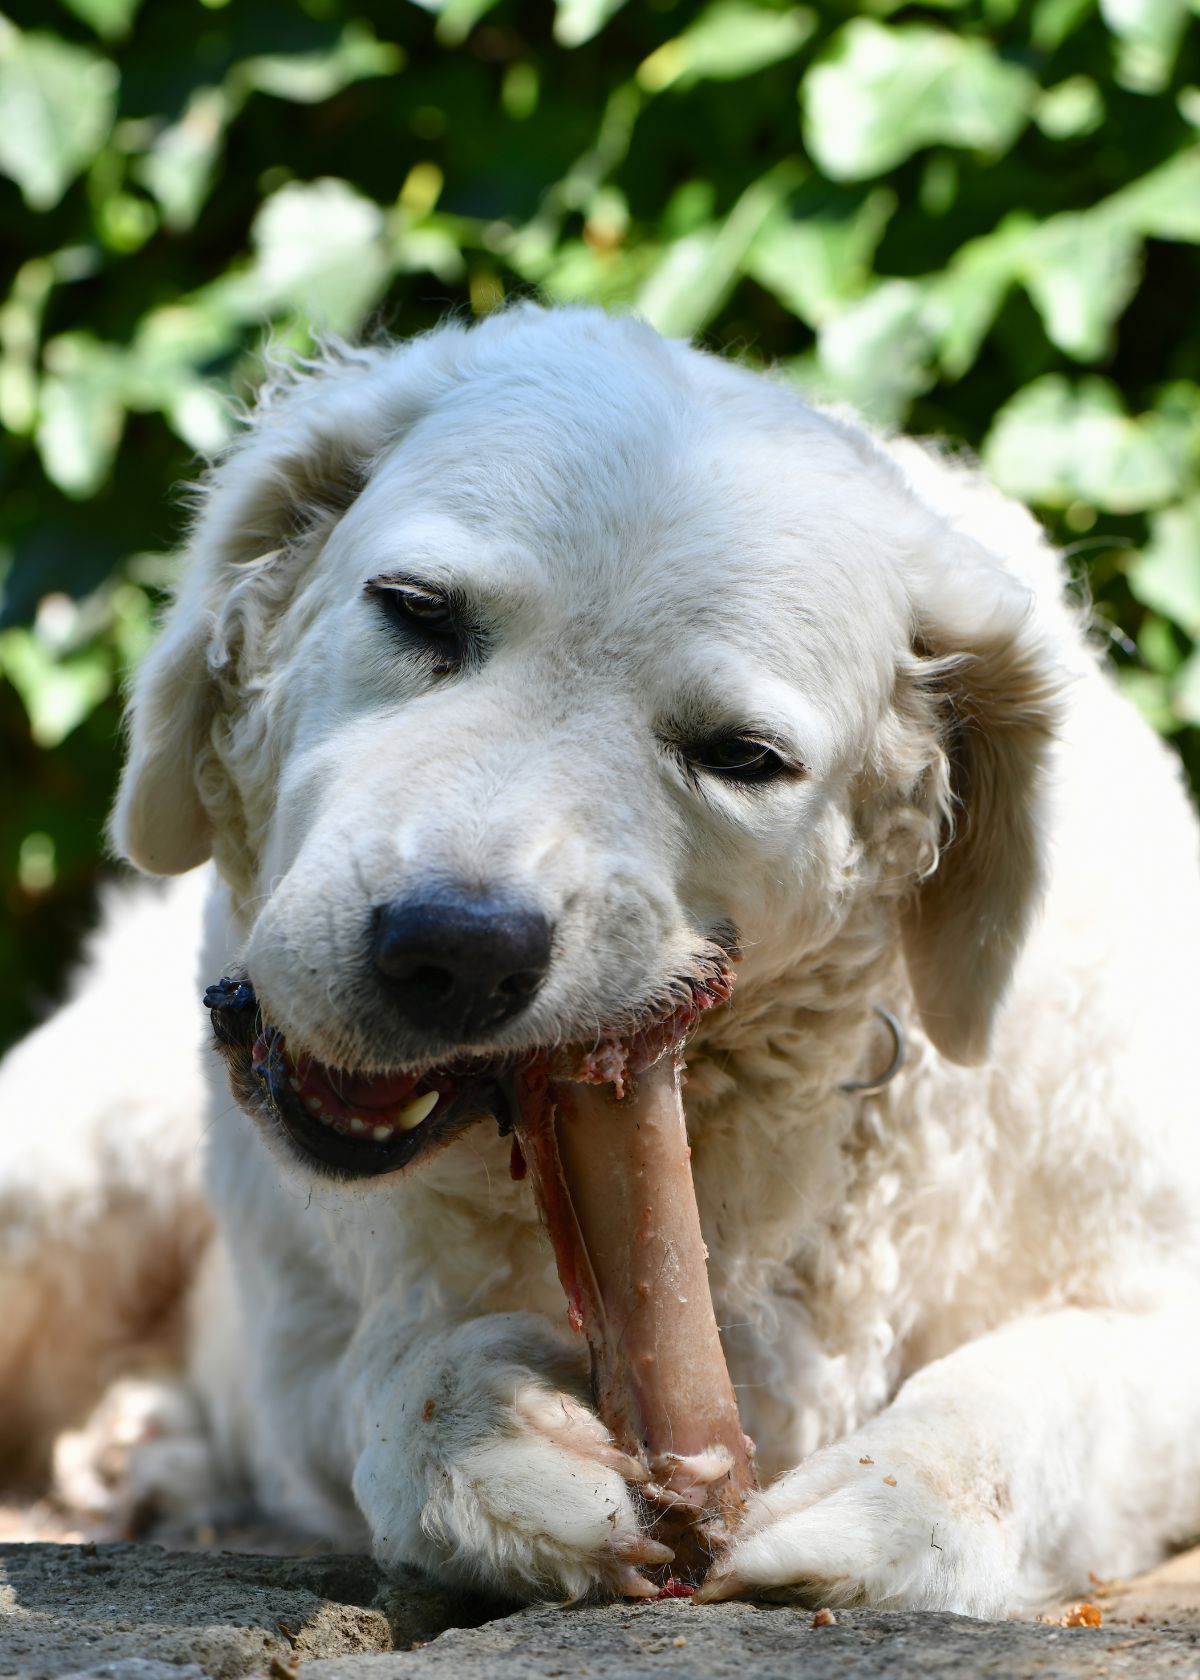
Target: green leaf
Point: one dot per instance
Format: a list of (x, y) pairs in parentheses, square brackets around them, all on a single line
[(817, 256), (879, 94), (1055, 443), (964, 300), (56, 108), (1165, 204), (1070, 109), (729, 40), (109, 18), (699, 271), (577, 21), (1149, 33), (320, 253), (1081, 271), (178, 169), (1166, 575), (57, 693), (1185, 691), (878, 354), (82, 412), (1151, 694), (308, 78)]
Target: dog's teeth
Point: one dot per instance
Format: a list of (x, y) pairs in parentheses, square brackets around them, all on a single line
[(411, 1116), (357, 1123), (314, 1103), (381, 1133), (294, 1083)]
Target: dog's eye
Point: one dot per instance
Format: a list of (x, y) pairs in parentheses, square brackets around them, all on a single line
[(738, 758), (424, 614)]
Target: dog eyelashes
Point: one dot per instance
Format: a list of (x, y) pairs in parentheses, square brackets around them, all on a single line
[(744, 759), (427, 617)]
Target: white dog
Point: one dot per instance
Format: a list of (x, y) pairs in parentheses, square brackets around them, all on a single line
[(517, 669)]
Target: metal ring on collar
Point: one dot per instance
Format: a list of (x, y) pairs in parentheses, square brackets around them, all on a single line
[(865, 1087)]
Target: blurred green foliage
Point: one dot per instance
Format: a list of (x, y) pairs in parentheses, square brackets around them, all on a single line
[(971, 217)]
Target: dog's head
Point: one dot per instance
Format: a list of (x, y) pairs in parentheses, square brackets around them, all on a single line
[(523, 674)]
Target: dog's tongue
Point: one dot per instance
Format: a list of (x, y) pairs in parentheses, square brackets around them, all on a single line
[(613, 1180)]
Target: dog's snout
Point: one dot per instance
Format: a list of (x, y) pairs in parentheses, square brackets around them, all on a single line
[(461, 964)]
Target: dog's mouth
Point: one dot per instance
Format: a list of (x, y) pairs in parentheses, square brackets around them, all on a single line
[(351, 1124), (356, 1124)]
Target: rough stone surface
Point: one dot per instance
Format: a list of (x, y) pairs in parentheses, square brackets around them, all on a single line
[(127, 1612), (82, 1608), (739, 1641)]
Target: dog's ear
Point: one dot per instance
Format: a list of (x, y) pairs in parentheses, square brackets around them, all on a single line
[(296, 467), (983, 648)]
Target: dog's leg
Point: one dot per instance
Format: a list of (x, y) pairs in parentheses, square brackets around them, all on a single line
[(480, 1461), (998, 1477), (102, 1220)]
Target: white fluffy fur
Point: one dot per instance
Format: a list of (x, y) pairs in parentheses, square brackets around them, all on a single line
[(960, 1314)]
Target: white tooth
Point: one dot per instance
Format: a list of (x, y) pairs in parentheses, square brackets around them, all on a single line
[(357, 1123), (314, 1103), (411, 1116), (294, 1083), (381, 1133)]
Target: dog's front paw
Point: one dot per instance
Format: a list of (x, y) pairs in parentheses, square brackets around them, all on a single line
[(488, 1467), (873, 1521)]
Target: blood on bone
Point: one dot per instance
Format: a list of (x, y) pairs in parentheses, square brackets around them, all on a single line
[(611, 1169)]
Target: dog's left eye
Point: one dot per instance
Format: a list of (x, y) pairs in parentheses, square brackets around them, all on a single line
[(738, 758), (424, 614)]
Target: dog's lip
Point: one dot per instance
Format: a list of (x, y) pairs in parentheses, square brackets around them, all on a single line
[(365, 1124)]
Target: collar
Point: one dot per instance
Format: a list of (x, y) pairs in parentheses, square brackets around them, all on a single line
[(868, 1087)]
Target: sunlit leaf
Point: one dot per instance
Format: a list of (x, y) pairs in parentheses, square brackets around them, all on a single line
[(82, 412), (1055, 443), (1185, 691), (576, 21), (1081, 271), (879, 93), (57, 693), (815, 257), (698, 271), (878, 354), (1165, 204), (1070, 109), (1149, 33), (730, 39), (319, 251), (312, 76), (56, 106), (179, 167), (1166, 575), (109, 18)]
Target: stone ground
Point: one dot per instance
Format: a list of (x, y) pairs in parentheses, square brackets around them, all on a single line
[(91, 1610)]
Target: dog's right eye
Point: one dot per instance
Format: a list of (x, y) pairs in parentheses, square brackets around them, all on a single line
[(425, 616)]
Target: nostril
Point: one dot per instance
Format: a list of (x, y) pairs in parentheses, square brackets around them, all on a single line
[(460, 962), (438, 984)]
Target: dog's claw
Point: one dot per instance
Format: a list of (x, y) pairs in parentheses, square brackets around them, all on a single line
[(640, 1549), (718, 1586), (626, 1467), (632, 1585)]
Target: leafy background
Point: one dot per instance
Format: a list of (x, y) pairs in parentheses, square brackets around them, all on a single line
[(974, 219)]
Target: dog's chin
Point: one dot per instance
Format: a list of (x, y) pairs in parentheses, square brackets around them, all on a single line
[(347, 1124), (356, 1124)]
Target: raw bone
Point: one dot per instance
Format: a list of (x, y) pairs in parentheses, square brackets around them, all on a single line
[(614, 1183)]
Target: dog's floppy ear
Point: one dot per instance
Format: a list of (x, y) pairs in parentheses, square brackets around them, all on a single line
[(985, 652), (301, 461)]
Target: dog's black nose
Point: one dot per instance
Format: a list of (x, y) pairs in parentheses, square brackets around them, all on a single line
[(461, 964)]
